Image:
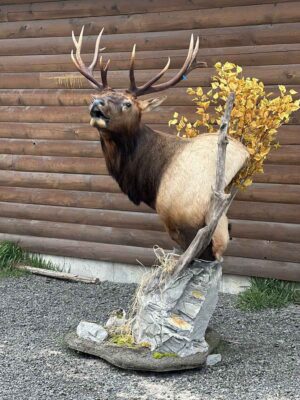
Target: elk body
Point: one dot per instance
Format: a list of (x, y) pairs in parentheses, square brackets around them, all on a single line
[(172, 175)]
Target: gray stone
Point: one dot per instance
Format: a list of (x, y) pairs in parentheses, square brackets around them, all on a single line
[(91, 331), (174, 318), (213, 359), (142, 359), (116, 319)]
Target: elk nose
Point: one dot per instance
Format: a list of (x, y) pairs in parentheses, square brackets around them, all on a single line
[(98, 102), (95, 106)]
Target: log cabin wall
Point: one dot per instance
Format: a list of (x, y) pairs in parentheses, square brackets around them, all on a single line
[(55, 194)]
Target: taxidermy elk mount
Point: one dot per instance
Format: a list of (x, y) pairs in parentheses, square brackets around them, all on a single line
[(174, 176)]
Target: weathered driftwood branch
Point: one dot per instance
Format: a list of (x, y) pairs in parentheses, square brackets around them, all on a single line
[(220, 201), (57, 274)]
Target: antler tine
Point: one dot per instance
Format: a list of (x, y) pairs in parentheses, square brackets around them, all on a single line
[(156, 77), (96, 53), (188, 66), (194, 63), (132, 86), (103, 71), (80, 65)]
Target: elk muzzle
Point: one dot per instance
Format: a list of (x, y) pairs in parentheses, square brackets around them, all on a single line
[(99, 117)]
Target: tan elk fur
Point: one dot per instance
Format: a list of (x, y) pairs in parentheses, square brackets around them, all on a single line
[(186, 189), (172, 175)]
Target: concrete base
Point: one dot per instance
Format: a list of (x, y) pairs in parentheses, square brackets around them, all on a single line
[(125, 273), (141, 358)]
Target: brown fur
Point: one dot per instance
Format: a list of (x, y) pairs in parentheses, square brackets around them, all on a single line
[(172, 175)]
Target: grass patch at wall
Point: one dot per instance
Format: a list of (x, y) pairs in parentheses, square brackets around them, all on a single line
[(11, 255), (266, 293)]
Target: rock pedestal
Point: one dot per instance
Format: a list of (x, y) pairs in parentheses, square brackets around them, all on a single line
[(174, 318), (141, 359), (171, 317)]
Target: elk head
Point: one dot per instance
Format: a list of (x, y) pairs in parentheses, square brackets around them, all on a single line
[(119, 111)]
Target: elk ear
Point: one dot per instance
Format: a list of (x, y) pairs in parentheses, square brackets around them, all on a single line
[(150, 104)]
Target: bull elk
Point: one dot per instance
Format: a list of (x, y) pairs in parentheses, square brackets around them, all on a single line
[(174, 176)]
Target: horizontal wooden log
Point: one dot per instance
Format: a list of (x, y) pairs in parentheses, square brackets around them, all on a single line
[(67, 148), (287, 154), (78, 114), (289, 174), (249, 248), (130, 255), (273, 231), (262, 268), (270, 74), (90, 183), (85, 216), (60, 9), (264, 249), (288, 134), (102, 183), (279, 174), (87, 250), (86, 233), (144, 221), (271, 212), (257, 211), (246, 55), (15, 2), (70, 198), (82, 97), (53, 131), (67, 165), (153, 22), (276, 193), (209, 38)]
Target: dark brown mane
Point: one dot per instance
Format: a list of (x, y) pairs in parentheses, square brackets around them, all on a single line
[(137, 162)]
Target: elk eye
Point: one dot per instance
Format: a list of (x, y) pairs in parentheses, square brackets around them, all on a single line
[(127, 104)]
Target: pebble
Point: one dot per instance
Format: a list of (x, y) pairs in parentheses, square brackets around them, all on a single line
[(213, 359)]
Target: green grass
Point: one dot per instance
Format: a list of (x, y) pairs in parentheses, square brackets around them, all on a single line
[(266, 293), (11, 255)]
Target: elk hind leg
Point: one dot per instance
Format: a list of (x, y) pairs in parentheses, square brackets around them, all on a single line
[(220, 238)]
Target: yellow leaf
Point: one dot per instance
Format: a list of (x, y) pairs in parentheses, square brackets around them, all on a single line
[(292, 91), (277, 146), (247, 182), (282, 88)]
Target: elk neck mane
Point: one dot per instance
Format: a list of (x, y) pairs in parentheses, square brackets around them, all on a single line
[(137, 160)]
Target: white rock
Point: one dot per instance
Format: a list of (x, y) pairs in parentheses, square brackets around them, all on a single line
[(91, 331), (213, 359), (116, 319)]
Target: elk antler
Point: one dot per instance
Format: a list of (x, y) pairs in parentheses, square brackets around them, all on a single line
[(88, 71), (189, 64)]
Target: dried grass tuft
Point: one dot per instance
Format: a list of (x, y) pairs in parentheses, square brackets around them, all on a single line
[(153, 280)]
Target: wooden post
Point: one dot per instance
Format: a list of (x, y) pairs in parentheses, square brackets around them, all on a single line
[(220, 201)]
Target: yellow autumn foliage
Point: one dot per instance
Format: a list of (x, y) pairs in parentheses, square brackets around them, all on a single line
[(255, 118)]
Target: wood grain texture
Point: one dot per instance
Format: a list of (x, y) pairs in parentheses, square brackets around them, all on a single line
[(55, 193), (37, 10), (153, 22), (167, 40), (249, 55)]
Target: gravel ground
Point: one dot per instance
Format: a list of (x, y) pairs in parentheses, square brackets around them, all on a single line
[(259, 356)]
